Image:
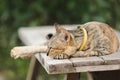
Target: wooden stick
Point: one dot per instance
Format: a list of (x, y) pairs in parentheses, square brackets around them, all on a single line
[(27, 51)]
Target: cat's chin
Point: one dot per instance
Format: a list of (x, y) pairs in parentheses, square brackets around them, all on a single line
[(60, 56), (54, 51), (57, 54)]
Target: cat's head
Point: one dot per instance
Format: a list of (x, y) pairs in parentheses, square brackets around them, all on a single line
[(60, 42)]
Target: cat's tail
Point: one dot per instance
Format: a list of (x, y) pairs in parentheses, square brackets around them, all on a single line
[(27, 51)]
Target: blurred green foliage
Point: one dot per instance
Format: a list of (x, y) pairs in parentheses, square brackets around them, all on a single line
[(17, 13)]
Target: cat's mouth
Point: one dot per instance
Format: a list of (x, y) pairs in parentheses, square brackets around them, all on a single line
[(54, 51)]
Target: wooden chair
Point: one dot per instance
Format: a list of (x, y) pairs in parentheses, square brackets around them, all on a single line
[(99, 68)]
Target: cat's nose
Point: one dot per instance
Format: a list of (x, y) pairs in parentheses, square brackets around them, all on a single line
[(48, 51)]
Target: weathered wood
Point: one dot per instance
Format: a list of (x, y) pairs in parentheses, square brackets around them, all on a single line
[(86, 61), (53, 66), (35, 36), (112, 58), (73, 76), (33, 69)]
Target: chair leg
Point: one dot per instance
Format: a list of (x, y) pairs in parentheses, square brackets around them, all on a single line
[(73, 76), (106, 75), (33, 69)]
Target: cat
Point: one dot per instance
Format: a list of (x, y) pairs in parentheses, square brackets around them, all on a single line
[(90, 39)]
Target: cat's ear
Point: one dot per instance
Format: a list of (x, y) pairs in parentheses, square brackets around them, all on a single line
[(67, 37), (65, 34), (71, 40), (59, 28)]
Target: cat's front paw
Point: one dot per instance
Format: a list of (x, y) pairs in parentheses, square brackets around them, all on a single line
[(61, 56)]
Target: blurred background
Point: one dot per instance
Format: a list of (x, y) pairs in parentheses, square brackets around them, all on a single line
[(30, 13)]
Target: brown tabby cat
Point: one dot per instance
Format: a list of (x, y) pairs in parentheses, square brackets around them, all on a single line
[(101, 40)]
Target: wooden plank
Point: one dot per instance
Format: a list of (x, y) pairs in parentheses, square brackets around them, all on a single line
[(36, 36), (86, 61), (54, 66), (112, 58)]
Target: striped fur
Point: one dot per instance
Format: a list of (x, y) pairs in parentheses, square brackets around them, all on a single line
[(102, 40)]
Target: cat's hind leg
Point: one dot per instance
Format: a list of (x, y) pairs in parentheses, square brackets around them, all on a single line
[(92, 53), (79, 54)]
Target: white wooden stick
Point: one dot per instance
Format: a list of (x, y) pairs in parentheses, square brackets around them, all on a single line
[(27, 51)]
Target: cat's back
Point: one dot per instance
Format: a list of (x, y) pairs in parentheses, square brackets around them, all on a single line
[(104, 29)]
